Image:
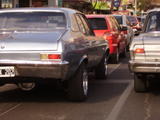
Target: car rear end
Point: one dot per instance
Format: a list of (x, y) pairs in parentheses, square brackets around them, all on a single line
[(101, 27), (145, 54), (32, 46)]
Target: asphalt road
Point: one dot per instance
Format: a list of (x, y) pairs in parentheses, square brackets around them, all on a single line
[(110, 99)]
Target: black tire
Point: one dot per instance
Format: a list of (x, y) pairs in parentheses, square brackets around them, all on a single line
[(101, 71), (124, 53), (140, 83), (115, 58), (78, 85)]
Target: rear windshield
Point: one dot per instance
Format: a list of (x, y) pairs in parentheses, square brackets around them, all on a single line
[(119, 19), (98, 23), (32, 21), (153, 22), (132, 20)]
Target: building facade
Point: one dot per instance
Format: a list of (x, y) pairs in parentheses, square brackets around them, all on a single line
[(27, 3)]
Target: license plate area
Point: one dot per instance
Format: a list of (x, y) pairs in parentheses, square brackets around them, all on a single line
[(8, 71)]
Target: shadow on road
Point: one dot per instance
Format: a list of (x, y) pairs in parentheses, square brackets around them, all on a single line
[(154, 87), (99, 91)]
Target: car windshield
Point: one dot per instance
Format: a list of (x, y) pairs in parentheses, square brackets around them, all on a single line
[(132, 20), (119, 19), (98, 23), (32, 21)]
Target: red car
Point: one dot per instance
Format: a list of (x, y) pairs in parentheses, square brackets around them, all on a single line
[(107, 26)]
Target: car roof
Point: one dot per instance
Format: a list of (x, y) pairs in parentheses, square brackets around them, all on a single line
[(154, 10), (97, 16), (68, 10)]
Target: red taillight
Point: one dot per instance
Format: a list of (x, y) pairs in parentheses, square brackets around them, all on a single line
[(139, 50), (54, 56), (50, 56)]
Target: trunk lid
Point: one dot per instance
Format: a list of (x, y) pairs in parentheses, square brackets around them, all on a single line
[(152, 46), (101, 32), (30, 41)]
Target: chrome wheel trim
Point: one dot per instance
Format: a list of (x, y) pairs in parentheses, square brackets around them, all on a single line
[(117, 56), (85, 82), (106, 66)]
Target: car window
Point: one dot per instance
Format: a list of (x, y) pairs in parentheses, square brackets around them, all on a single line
[(98, 23), (117, 25), (113, 24), (132, 20), (88, 30), (32, 21), (128, 23), (119, 19), (74, 25), (80, 24)]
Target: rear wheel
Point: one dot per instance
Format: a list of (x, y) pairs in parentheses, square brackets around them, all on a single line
[(101, 71), (140, 83), (124, 53), (78, 85), (115, 58)]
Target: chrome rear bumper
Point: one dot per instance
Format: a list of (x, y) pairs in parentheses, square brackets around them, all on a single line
[(144, 67), (41, 69)]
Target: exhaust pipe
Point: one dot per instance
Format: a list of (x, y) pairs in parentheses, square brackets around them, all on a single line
[(26, 86)]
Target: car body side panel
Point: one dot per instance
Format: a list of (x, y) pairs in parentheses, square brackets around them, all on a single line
[(73, 47)]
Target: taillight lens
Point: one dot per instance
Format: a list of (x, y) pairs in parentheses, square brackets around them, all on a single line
[(108, 36), (51, 56), (139, 50), (54, 56)]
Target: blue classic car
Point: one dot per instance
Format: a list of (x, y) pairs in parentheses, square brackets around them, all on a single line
[(55, 43)]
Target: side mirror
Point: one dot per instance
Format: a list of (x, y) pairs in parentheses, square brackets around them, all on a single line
[(124, 28)]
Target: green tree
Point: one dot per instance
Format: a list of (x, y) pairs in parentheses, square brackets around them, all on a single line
[(144, 4)]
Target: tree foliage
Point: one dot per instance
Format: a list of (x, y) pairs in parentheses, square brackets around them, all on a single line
[(144, 4)]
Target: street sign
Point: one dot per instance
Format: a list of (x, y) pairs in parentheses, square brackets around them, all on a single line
[(116, 3)]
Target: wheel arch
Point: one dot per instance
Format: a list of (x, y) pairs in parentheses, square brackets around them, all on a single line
[(84, 59)]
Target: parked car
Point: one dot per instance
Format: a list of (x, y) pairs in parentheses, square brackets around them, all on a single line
[(123, 21), (145, 52), (107, 26), (55, 43), (136, 26)]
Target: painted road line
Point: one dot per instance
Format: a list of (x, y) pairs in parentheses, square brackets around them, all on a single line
[(9, 110), (119, 105), (116, 67)]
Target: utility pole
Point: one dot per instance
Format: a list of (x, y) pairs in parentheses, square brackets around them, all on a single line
[(115, 3), (135, 3), (112, 3)]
